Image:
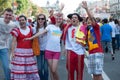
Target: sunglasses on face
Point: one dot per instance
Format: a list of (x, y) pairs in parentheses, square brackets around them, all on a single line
[(41, 18)]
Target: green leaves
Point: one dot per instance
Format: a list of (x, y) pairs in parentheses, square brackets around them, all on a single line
[(4, 4), (22, 6)]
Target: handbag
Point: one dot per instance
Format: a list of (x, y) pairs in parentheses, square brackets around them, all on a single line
[(36, 47)]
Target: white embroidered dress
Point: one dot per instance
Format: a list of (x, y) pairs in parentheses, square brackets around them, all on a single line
[(24, 64)]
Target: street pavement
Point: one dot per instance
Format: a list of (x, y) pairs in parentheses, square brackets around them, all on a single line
[(111, 68)]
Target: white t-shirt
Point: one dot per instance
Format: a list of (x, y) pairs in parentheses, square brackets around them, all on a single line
[(71, 41), (117, 31), (53, 35), (5, 36), (113, 26), (42, 38)]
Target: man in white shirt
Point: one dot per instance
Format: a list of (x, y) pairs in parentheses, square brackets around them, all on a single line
[(112, 24), (6, 25), (75, 50)]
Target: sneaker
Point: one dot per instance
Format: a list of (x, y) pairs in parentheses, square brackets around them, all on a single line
[(113, 58)]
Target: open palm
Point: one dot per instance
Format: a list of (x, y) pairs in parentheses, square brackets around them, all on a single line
[(84, 4)]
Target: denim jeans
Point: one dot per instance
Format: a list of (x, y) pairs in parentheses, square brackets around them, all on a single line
[(42, 66), (117, 37), (113, 44), (5, 62)]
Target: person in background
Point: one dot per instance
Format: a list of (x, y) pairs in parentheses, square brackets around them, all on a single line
[(6, 25), (29, 22), (41, 61), (23, 62), (66, 22), (96, 56), (117, 36), (112, 24), (106, 37), (99, 21)]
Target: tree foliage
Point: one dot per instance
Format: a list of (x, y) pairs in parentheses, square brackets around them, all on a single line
[(5, 4), (25, 7), (22, 7), (34, 9)]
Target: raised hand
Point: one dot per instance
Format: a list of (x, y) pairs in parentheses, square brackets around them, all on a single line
[(51, 12), (84, 5), (61, 7)]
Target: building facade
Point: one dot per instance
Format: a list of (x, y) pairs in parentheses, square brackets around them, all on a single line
[(99, 8), (115, 8)]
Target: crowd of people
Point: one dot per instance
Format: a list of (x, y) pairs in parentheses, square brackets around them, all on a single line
[(75, 34)]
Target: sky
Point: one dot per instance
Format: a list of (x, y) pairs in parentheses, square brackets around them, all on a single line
[(70, 5)]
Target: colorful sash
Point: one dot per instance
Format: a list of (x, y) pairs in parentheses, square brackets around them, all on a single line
[(81, 35), (92, 41)]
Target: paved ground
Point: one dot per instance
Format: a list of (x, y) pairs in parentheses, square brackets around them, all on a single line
[(62, 71), (111, 69)]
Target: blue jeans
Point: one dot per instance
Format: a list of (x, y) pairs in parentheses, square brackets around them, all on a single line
[(117, 41), (42, 66), (113, 44), (5, 62)]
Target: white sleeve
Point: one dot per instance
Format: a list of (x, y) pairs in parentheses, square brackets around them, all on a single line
[(34, 30), (48, 27)]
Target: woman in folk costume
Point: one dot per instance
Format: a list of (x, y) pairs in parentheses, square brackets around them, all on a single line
[(74, 37), (23, 61)]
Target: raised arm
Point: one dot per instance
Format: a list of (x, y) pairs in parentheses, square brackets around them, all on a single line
[(85, 6), (61, 7), (51, 13), (52, 18)]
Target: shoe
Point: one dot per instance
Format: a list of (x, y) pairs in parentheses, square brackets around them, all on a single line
[(113, 52), (113, 58)]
